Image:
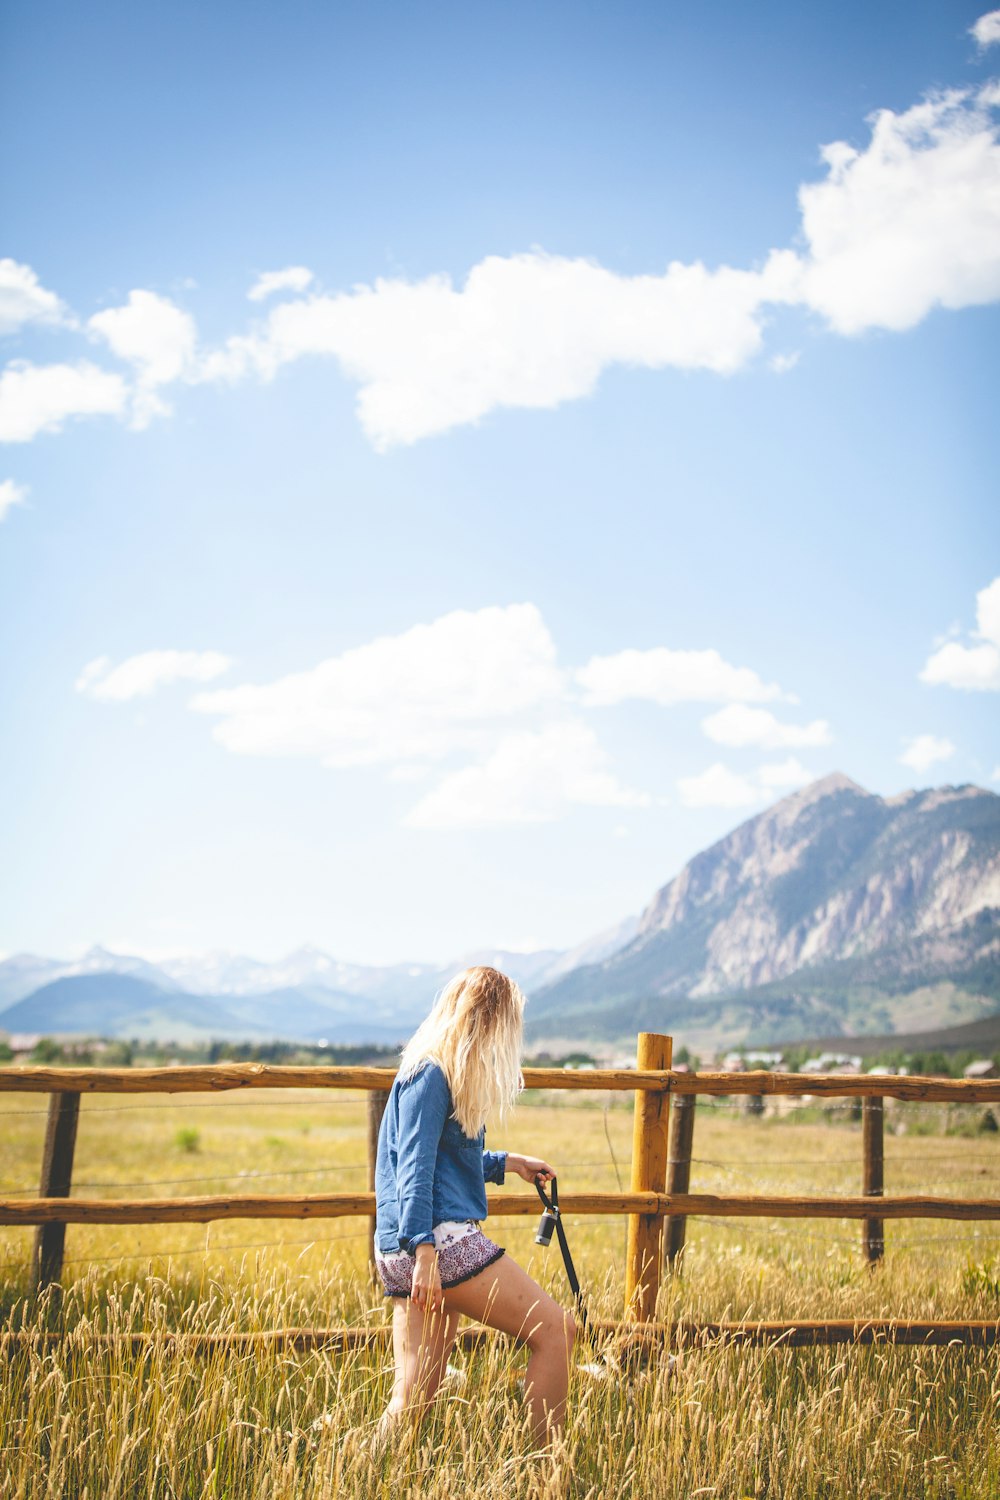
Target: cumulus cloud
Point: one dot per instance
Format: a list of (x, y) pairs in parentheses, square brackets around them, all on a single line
[(23, 299), (157, 338), (529, 778), (661, 675), (291, 279), (910, 223), (529, 330), (976, 668), (784, 775), (894, 228), (482, 689), (718, 786), (11, 493), (925, 750), (40, 398), (987, 29), (139, 676), (405, 698), (737, 724)]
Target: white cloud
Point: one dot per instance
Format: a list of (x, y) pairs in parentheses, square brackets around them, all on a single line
[(996, 774), (139, 676), (738, 725), (926, 750), (529, 330), (975, 668), (291, 279), (39, 398), (910, 223), (11, 493), (785, 774), (987, 29), (157, 338), (415, 696), (482, 684), (782, 363), (529, 778), (23, 299), (663, 676), (718, 786)]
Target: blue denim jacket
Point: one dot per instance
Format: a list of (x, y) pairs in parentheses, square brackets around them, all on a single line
[(427, 1169)]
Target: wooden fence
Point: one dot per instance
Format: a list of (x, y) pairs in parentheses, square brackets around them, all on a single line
[(659, 1191)]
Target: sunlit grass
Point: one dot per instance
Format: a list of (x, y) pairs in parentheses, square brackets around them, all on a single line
[(112, 1419)]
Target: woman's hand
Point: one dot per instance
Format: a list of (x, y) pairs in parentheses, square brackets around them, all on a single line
[(426, 1289), (530, 1168)]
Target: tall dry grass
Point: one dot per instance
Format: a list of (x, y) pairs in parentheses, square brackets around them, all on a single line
[(103, 1419)]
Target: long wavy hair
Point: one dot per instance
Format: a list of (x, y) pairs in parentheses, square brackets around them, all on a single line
[(474, 1033)]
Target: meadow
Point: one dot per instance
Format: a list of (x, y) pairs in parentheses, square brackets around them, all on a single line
[(110, 1419)]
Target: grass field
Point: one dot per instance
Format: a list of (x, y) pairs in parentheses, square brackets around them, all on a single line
[(109, 1421)]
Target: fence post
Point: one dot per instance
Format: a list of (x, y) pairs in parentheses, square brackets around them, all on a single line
[(679, 1172), (377, 1100), (649, 1172), (55, 1181), (872, 1118)]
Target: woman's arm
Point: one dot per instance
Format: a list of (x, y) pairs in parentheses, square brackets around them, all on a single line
[(423, 1102)]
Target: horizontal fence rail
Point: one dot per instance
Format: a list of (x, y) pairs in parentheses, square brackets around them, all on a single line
[(659, 1192), (203, 1210), (812, 1332), (208, 1079)]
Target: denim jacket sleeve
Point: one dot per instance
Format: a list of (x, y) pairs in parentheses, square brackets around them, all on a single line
[(494, 1166), (423, 1101)]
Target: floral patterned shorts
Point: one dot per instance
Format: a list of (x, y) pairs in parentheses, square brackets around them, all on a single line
[(463, 1251)]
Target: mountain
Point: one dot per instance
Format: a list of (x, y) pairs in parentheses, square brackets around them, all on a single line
[(823, 912), (126, 1006), (119, 1005), (403, 984), (23, 973)]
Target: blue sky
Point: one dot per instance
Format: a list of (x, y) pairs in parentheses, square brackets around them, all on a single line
[(605, 461)]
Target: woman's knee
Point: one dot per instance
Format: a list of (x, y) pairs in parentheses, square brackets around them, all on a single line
[(554, 1329)]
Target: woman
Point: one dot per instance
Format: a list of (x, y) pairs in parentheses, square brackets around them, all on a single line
[(435, 1262)]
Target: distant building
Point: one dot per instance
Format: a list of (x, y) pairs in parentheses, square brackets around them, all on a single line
[(832, 1062), (23, 1042), (984, 1067)]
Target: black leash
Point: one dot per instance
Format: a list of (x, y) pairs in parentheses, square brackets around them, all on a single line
[(552, 1219)]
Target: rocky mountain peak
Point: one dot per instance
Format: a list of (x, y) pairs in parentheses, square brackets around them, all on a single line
[(825, 786), (831, 878)]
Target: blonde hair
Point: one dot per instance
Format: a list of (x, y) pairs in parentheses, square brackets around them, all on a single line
[(474, 1033)]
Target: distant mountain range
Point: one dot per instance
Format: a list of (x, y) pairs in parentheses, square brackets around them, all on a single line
[(307, 996), (834, 912)]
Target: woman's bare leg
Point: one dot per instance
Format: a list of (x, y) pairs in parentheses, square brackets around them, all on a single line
[(505, 1297), (421, 1344)]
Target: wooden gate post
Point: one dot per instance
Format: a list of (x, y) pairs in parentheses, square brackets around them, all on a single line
[(55, 1181), (649, 1173), (872, 1143), (377, 1100), (679, 1173)]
